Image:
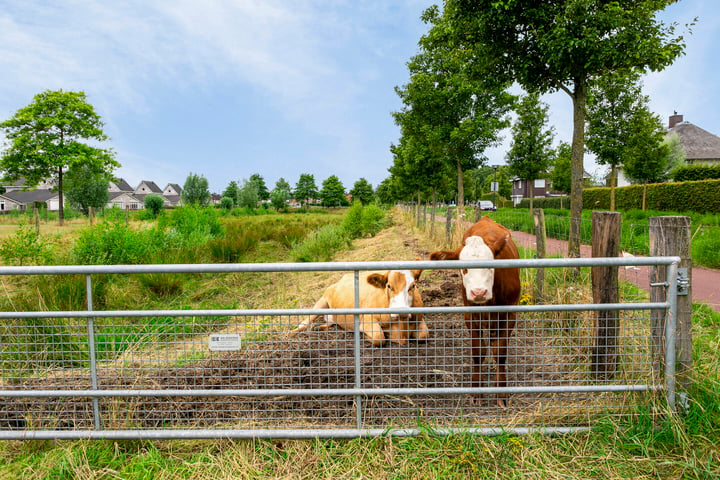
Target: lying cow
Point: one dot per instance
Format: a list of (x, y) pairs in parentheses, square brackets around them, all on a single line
[(487, 240), (389, 289)]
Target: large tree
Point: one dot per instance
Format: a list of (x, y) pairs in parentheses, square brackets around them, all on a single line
[(231, 192), (259, 181), (530, 153), (280, 194), (455, 109), (305, 188), (620, 124), (332, 193), (561, 45), (195, 190), (362, 190), (48, 137)]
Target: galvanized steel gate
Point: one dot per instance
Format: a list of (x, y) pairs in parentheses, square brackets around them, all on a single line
[(238, 373)]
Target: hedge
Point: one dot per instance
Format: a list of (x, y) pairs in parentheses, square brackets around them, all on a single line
[(697, 196)]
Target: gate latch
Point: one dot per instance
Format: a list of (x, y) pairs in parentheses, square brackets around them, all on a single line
[(683, 282)]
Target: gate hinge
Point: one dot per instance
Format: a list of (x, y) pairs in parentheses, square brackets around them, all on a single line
[(683, 282)]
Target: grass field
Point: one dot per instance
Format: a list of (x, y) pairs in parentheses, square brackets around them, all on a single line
[(683, 446)]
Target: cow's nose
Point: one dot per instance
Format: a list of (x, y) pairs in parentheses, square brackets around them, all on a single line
[(479, 293)]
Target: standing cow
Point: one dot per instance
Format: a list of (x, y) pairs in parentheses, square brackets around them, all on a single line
[(388, 289), (487, 240)]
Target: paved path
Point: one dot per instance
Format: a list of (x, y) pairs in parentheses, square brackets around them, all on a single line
[(705, 282)]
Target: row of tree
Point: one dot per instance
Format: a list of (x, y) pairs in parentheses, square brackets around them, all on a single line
[(456, 101), (250, 192)]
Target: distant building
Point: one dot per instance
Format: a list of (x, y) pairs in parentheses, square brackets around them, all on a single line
[(172, 194)]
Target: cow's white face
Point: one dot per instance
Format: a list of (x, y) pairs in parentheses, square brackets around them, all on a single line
[(400, 289), (478, 282)]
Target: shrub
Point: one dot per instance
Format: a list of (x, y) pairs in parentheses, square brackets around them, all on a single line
[(25, 247), (353, 221), (320, 245), (154, 204), (686, 173), (112, 244), (226, 203), (373, 220)]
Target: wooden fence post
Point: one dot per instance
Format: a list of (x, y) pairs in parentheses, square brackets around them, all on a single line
[(540, 242), (448, 225), (91, 214), (670, 236), (605, 243), (127, 215), (36, 214)]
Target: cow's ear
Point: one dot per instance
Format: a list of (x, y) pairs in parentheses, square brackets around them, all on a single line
[(443, 255), (499, 244), (377, 280), (416, 274)]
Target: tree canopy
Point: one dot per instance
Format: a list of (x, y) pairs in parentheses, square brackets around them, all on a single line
[(280, 194), (262, 191), (561, 45), (305, 188), (195, 190), (332, 193), (48, 137), (530, 151), (362, 190), (86, 188)]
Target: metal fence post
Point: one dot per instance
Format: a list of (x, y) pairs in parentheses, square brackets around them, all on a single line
[(358, 398), (91, 352)]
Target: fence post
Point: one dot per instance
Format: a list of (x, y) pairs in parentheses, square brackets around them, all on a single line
[(478, 213), (605, 243), (541, 242), (37, 219), (127, 215), (670, 236), (448, 225), (91, 214)]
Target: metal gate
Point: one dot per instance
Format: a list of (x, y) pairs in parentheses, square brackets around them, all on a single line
[(239, 374)]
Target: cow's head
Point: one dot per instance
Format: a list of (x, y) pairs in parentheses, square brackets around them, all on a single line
[(399, 286), (477, 282)]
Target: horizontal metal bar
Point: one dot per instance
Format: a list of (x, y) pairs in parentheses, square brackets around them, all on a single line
[(333, 311), (335, 266), (333, 392), (345, 433)]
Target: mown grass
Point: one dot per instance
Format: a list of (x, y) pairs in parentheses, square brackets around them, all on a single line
[(682, 446)]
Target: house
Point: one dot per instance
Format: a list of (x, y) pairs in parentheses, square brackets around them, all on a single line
[(7, 204), (521, 189), (701, 147), (120, 185), (146, 188), (123, 200), (172, 193), (25, 200)]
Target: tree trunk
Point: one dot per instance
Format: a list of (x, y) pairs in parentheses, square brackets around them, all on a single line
[(417, 214), (613, 183), (460, 202), (644, 194), (432, 213), (61, 212), (576, 183), (531, 193)]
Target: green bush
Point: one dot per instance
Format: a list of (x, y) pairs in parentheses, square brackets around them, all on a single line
[(321, 245), (113, 244), (154, 204), (686, 173), (25, 247), (236, 242), (353, 221), (194, 224), (697, 196)]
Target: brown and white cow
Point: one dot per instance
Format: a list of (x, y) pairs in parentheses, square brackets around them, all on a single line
[(487, 240), (388, 289)]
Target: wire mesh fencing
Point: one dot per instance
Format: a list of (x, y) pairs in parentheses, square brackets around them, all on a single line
[(242, 373)]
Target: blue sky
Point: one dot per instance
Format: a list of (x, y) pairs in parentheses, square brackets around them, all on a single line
[(228, 88)]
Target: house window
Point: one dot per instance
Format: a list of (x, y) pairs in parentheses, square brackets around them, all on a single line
[(540, 183), (134, 205)]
